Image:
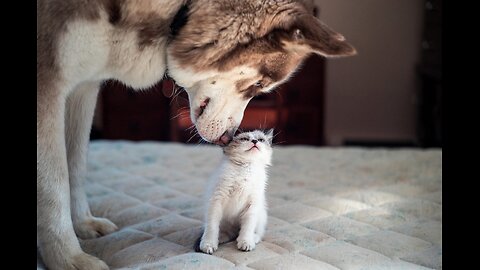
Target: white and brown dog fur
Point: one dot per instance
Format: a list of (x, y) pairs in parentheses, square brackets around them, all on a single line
[(223, 52)]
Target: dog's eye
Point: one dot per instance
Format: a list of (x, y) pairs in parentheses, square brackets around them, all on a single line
[(258, 84)]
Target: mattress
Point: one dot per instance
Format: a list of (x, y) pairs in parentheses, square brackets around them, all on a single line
[(329, 208)]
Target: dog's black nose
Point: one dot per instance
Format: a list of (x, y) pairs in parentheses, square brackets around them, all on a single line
[(254, 141)]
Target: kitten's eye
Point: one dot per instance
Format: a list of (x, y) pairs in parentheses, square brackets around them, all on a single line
[(261, 140), (244, 139), (258, 84)]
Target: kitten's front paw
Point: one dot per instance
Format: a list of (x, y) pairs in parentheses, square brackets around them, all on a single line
[(208, 246), (94, 227), (246, 244)]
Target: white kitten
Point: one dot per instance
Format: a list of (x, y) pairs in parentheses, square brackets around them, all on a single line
[(236, 194)]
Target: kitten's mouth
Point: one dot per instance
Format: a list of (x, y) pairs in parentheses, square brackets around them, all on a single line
[(254, 147)]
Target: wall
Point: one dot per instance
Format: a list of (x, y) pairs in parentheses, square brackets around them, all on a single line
[(372, 96)]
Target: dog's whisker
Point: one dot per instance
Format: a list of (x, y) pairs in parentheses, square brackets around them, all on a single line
[(190, 127), (192, 137), (176, 92), (180, 114), (184, 108), (200, 142)]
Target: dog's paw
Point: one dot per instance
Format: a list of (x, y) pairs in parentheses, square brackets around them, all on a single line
[(84, 261), (245, 244), (79, 261), (93, 227), (208, 246)]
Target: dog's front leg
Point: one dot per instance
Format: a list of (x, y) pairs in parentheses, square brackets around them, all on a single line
[(56, 238), (79, 114)]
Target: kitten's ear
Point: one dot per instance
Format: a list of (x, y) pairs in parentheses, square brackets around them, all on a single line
[(269, 135)]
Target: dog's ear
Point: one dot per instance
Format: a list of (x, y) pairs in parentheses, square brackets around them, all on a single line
[(309, 33)]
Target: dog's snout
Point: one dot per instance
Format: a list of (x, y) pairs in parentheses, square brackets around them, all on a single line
[(205, 103), (202, 107), (225, 139)]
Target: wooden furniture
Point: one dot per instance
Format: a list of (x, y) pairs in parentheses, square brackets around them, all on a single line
[(134, 115)]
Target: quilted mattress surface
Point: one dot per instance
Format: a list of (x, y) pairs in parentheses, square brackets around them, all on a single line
[(329, 208)]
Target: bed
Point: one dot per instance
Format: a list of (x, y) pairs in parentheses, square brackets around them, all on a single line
[(329, 208)]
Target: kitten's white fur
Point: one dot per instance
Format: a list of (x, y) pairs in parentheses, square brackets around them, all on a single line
[(236, 194)]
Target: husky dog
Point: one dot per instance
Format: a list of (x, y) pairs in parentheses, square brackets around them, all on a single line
[(223, 52)]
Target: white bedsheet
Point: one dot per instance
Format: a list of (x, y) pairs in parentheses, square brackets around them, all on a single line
[(329, 208)]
